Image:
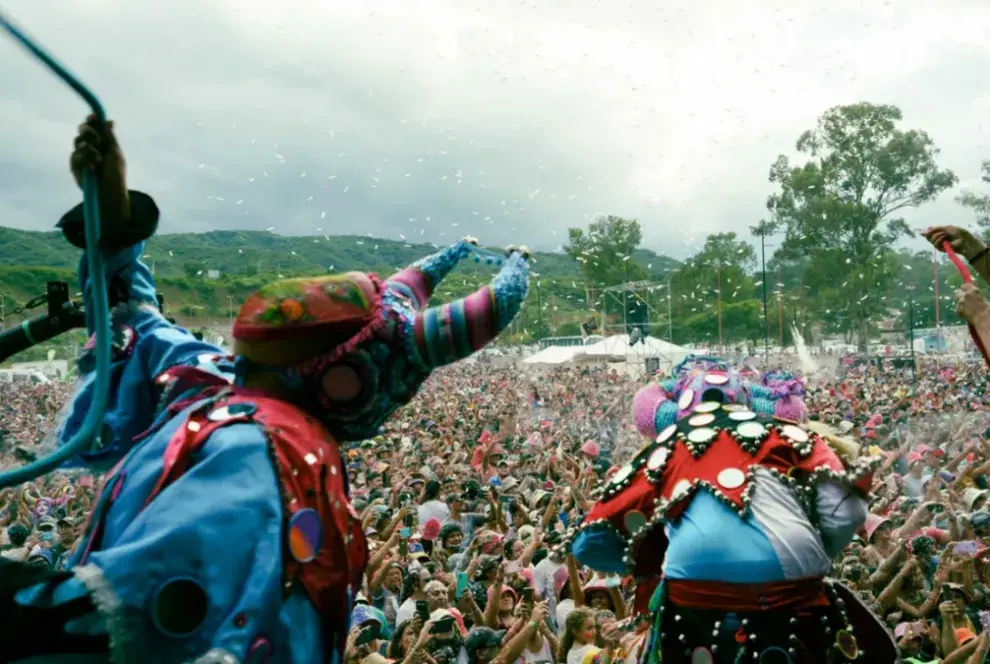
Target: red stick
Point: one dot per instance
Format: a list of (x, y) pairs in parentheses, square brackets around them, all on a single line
[(968, 278), (954, 257)]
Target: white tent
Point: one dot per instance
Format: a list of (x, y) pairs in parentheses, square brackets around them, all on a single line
[(617, 348), (553, 355)]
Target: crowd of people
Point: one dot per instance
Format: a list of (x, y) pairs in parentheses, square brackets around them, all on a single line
[(466, 494), (472, 485)]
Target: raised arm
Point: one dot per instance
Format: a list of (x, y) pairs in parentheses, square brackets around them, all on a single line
[(145, 343)]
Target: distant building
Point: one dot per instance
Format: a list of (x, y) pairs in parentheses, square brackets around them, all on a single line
[(213, 274)]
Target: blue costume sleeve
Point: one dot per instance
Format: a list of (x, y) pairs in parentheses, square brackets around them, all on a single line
[(198, 568), (599, 549), (158, 345), (841, 514)]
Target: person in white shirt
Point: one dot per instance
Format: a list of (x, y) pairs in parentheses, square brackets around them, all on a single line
[(432, 507), (18, 534)]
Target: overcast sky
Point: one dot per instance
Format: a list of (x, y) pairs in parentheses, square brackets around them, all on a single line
[(510, 120)]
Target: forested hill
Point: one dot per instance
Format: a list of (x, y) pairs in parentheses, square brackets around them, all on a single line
[(242, 253), (245, 259)]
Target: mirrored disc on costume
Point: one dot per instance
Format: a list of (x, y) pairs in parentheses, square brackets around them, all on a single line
[(796, 434), (701, 420), (687, 398), (230, 411), (657, 459), (847, 644), (716, 379), (623, 474), (305, 535), (641, 453), (633, 521), (731, 478), (702, 655), (751, 430), (681, 489), (701, 435), (733, 407), (742, 415), (666, 434), (707, 407)]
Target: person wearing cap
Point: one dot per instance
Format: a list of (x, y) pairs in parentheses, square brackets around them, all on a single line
[(385, 587), (64, 541), (484, 645), (237, 453), (914, 641), (958, 627), (41, 557), (469, 522)]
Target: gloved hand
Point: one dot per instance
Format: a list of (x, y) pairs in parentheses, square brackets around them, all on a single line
[(127, 217), (45, 615)]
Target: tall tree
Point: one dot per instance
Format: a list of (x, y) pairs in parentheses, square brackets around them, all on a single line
[(979, 203), (605, 251), (840, 208)]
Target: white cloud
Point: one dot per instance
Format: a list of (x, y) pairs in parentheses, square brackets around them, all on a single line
[(457, 112)]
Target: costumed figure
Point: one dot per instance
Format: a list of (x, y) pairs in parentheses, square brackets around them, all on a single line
[(729, 521), (223, 531)]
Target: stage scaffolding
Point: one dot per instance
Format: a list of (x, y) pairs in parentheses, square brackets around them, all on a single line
[(646, 294)]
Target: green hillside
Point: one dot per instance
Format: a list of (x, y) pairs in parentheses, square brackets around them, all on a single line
[(247, 259)]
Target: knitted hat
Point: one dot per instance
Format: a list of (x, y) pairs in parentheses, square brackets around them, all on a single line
[(709, 379), (591, 449), (431, 529), (356, 347)]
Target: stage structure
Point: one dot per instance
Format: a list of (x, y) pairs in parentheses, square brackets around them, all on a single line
[(642, 295)]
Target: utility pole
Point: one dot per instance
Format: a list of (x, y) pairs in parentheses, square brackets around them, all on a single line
[(910, 290), (670, 312), (763, 229), (539, 305), (718, 302), (938, 325), (780, 308), (766, 316), (625, 303)]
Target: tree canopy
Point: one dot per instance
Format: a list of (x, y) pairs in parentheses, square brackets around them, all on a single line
[(839, 209)]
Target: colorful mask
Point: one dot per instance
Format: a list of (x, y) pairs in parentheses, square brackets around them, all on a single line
[(384, 340), (705, 379)]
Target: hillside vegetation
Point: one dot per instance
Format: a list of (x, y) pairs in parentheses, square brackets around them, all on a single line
[(248, 259)]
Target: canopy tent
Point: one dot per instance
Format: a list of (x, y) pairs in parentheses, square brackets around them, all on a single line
[(553, 355), (617, 348)]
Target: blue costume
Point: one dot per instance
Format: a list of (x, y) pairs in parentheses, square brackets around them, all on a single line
[(729, 521), (223, 532)]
